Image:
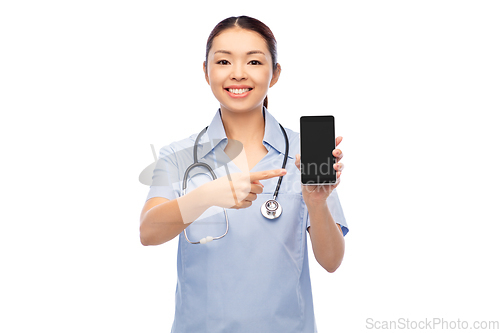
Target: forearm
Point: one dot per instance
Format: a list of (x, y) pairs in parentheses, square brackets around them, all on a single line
[(167, 220), (326, 238)]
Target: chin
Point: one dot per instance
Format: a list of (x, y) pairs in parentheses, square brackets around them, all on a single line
[(241, 106), (244, 107)]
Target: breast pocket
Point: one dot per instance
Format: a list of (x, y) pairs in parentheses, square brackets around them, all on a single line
[(283, 237)]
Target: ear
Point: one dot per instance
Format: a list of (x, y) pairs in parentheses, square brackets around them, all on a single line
[(276, 75), (205, 71)]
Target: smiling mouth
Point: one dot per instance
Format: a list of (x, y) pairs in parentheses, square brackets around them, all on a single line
[(238, 91)]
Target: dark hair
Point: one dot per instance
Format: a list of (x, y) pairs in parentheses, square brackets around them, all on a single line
[(248, 23)]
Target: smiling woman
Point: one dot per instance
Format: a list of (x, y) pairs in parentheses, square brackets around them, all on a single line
[(254, 278), (259, 52), (240, 78)]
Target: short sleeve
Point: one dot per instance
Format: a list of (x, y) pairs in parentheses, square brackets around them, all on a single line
[(335, 208), (165, 175)]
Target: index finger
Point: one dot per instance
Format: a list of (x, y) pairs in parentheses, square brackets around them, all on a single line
[(266, 174)]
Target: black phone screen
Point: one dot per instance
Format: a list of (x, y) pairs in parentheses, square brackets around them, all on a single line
[(317, 141)]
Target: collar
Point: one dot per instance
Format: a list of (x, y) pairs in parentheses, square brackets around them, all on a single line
[(273, 135)]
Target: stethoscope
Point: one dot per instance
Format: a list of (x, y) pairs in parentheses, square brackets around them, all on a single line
[(271, 209)]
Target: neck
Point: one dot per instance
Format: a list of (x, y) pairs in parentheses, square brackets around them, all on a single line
[(247, 127)]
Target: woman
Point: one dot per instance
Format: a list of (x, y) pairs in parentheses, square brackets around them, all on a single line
[(256, 277)]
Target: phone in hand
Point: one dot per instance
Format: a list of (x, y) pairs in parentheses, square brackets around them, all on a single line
[(317, 141)]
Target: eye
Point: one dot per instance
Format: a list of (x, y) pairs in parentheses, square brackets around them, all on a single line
[(222, 62), (255, 62)]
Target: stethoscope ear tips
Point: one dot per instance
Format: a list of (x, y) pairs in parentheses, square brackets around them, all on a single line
[(206, 240)]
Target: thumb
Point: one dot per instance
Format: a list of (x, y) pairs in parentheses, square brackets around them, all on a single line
[(297, 161), (257, 182)]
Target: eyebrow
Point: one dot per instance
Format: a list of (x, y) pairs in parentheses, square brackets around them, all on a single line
[(249, 52)]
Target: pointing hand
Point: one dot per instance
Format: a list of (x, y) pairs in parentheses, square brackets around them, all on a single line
[(239, 189)]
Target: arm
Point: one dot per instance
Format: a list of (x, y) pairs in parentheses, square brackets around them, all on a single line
[(338, 225), (161, 218), (327, 240)]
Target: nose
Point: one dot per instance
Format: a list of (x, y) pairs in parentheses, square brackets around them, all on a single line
[(239, 72)]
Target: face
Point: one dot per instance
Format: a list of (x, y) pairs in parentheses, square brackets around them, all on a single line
[(240, 70)]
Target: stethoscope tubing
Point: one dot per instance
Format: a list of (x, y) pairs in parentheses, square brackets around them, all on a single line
[(265, 211)]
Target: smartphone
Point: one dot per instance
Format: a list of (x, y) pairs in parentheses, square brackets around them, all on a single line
[(317, 142)]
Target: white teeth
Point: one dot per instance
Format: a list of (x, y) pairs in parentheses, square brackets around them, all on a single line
[(239, 91)]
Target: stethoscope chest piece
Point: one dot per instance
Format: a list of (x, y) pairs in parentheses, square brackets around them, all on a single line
[(271, 209)]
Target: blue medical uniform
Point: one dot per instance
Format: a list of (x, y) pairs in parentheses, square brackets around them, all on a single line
[(256, 278)]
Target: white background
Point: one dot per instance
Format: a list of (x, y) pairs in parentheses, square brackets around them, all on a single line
[(87, 86)]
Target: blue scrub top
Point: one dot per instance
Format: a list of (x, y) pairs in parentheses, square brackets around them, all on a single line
[(256, 278)]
